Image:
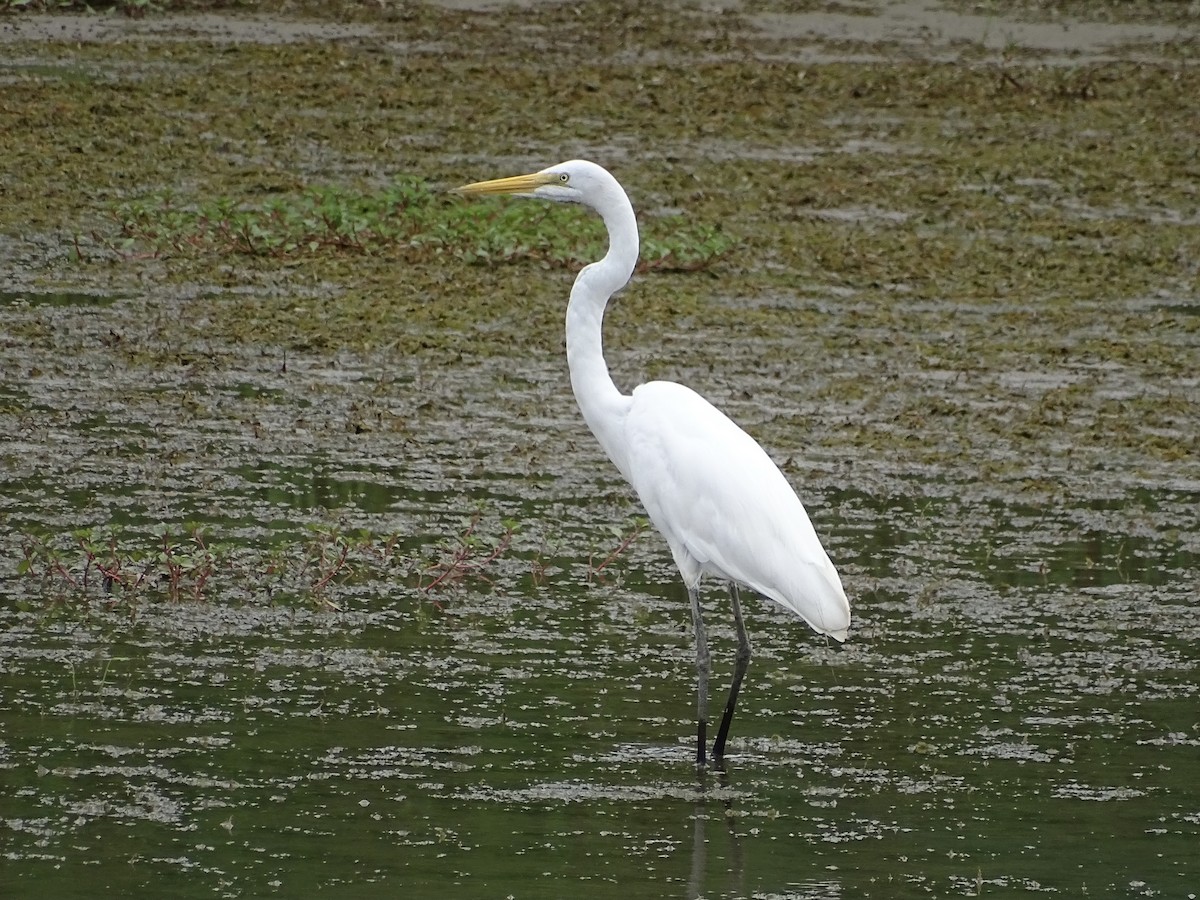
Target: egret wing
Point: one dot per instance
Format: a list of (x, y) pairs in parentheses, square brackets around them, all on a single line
[(724, 506)]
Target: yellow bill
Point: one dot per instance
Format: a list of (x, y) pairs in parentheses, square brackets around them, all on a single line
[(518, 184)]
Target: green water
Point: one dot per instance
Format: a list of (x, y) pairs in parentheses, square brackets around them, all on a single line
[(1015, 711), (990, 727)]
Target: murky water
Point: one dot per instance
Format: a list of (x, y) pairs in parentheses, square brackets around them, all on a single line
[(1019, 690)]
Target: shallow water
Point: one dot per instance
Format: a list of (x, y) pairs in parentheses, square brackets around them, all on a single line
[(1019, 688)]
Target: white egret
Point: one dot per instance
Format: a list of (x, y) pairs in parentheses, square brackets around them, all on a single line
[(724, 507)]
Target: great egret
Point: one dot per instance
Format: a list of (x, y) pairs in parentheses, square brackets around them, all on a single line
[(724, 507)]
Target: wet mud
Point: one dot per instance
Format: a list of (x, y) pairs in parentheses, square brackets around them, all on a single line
[(959, 307)]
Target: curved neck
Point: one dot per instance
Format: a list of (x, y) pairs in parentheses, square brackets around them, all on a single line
[(603, 406)]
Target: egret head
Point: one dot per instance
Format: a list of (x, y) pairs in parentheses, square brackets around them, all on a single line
[(576, 181), (579, 181)]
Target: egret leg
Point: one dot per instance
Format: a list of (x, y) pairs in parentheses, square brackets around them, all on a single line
[(703, 667), (742, 660)]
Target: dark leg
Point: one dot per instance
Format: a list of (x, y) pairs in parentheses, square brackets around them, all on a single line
[(703, 667), (742, 661)]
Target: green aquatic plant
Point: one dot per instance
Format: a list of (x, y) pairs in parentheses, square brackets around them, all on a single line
[(122, 567), (625, 536), (329, 556), (469, 555), (407, 219), (169, 563)]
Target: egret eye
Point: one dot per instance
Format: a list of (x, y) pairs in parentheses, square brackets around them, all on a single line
[(563, 178)]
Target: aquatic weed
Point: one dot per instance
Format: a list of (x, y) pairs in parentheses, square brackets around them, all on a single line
[(469, 555), (625, 535), (408, 219), (123, 567), (169, 563)]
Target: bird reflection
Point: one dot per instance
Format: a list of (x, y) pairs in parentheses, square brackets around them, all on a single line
[(709, 803)]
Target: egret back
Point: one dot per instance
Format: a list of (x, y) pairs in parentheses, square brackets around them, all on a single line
[(725, 508)]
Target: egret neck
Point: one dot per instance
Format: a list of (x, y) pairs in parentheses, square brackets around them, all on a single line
[(602, 404)]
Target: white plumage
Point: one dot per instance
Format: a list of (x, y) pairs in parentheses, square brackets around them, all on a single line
[(725, 508), (716, 496)]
